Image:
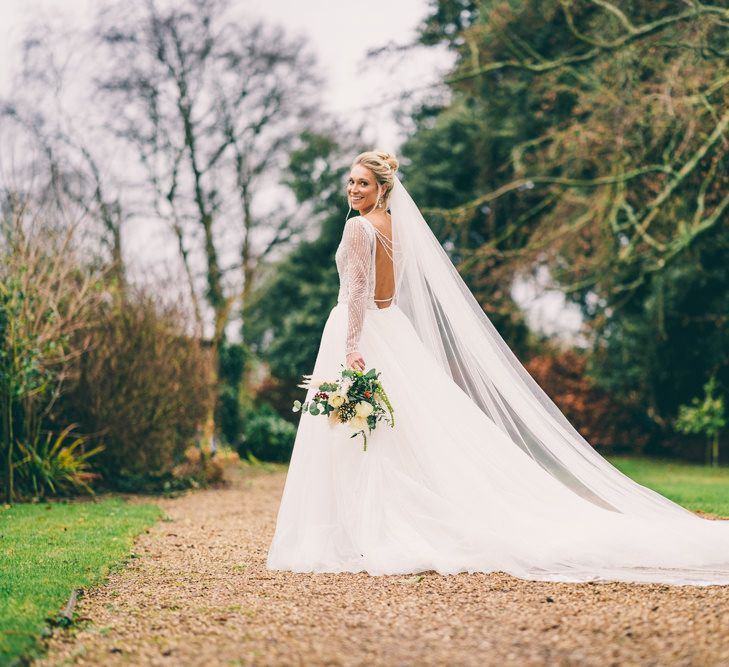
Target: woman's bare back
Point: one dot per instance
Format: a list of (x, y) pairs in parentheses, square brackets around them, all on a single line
[(384, 268)]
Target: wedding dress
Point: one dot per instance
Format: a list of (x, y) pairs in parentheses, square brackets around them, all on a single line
[(481, 471)]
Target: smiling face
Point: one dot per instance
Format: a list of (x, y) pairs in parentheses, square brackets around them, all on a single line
[(362, 188)]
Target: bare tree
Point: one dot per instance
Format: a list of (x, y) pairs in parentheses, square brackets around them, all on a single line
[(211, 108), (50, 155)]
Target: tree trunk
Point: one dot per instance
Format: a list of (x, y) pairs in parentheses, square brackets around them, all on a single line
[(197, 312)]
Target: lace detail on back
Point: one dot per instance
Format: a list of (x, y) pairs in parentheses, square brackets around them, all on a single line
[(355, 258)]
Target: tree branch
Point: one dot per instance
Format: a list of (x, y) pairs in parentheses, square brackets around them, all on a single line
[(598, 48)]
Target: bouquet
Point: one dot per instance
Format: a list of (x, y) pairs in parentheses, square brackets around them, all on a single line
[(355, 399)]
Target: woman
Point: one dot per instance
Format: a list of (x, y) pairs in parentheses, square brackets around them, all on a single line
[(481, 472)]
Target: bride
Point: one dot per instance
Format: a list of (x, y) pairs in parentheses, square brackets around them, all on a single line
[(481, 472)]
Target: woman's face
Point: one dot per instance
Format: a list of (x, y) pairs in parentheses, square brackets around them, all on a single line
[(362, 189)]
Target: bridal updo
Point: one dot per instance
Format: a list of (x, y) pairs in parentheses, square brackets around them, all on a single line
[(383, 165)]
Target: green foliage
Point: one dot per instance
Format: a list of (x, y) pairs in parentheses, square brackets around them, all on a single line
[(448, 20), (47, 551), (45, 294), (228, 413), (231, 365), (659, 348), (51, 466), (22, 373), (447, 163), (314, 173), (705, 416), (268, 437)]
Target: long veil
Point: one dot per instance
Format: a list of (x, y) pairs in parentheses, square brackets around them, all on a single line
[(453, 326)]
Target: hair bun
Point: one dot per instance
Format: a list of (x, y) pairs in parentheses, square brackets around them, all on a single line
[(390, 159)]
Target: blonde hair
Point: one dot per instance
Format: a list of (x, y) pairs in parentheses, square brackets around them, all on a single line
[(383, 165)]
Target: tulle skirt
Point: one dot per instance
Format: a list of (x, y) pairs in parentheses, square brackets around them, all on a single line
[(447, 490)]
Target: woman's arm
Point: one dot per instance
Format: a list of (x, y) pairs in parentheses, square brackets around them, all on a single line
[(359, 258)]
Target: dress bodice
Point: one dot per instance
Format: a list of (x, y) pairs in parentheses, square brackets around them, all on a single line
[(355, 258)]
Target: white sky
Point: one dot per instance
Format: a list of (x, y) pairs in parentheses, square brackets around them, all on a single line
[(339, 32)]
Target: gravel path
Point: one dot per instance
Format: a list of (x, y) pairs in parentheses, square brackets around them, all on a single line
[(198, 593)]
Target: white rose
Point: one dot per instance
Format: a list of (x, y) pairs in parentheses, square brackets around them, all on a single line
[(363, 409), (335, 400), (358, 423)]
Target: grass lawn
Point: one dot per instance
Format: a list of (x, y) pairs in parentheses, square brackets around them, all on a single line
[(48, 550), (696, 487)]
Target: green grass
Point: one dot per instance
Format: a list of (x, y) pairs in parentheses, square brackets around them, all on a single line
[(48, 550), (696, 487)]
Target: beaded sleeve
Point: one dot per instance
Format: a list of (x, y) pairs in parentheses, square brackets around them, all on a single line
[(359, 260)]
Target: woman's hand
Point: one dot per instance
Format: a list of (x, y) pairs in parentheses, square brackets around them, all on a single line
[(355, 360)]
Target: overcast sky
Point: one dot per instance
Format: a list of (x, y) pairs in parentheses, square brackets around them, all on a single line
[(339, 32)]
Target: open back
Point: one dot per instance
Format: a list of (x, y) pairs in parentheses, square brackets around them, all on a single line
[(384, 268)]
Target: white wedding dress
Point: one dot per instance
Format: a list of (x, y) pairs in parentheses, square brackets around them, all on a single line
[(447, 489)]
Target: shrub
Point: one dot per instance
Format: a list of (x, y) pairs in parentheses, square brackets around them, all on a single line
[(77, 346), (268, 436), (205, 466), (229, 419), (47, 295), (704, 416), (143, 388), (606, 421)]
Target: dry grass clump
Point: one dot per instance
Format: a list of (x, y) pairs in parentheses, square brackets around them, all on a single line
[(206, 465)]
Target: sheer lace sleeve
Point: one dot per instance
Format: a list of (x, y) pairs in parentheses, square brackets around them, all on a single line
[(359, 260)]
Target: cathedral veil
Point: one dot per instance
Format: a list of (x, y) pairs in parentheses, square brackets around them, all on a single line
[(453, 326)]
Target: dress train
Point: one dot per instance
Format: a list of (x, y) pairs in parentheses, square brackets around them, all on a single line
[(447, 490)]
